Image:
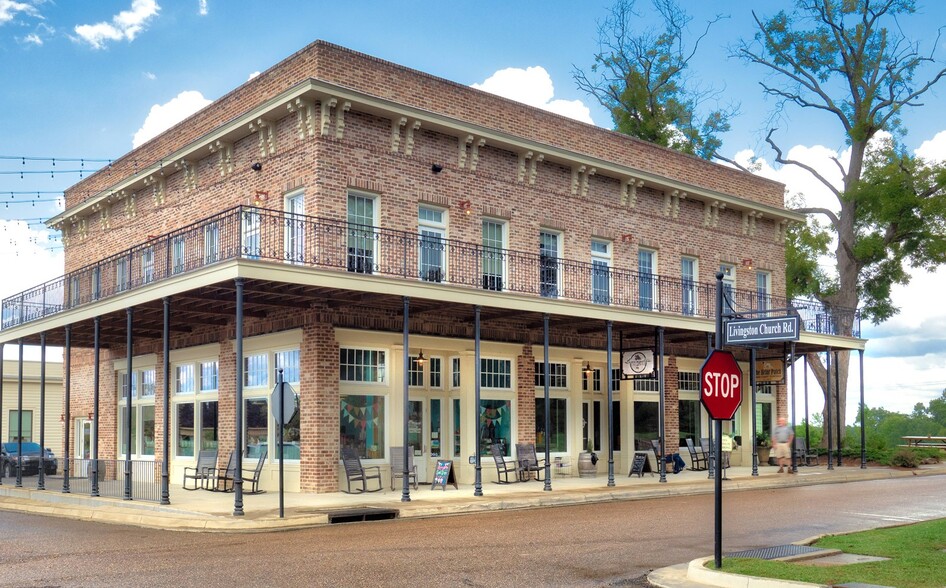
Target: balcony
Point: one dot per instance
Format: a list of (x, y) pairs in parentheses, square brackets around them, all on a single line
[(284, 238)]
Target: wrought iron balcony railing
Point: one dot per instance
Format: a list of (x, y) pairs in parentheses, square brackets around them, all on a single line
[(286, 238)]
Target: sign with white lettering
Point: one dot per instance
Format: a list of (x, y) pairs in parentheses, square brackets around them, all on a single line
[(767, 330), (769, 371), (637, 362)]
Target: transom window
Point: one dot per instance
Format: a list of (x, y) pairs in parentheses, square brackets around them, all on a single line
[(455, 372), (646, 384), (688, 381), (184, 379), (558, 374), (256, 370), (416, 372), (436, 376), (208, 376), (361, 365), (496, 373), (289, 362)]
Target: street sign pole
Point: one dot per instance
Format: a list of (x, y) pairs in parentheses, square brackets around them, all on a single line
[(718, 482)]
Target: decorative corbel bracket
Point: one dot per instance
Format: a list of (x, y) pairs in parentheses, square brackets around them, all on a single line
[(711, 213), (224, 153), (409, 139), (781, 228), (524, 159), (266, 130), (156, 183), (190, 173), (305, 117), (534, 167), (131, 208), (462, 144), (672, 203), (340, 119), (584, 181), (396, 124), (475, 153), (327, 105), (629, 191)]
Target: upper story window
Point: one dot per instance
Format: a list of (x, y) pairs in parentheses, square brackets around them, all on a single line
[(96, 282), (436, 372), (595, 377), (361, 365), (496, 373), (432, 246), (147, 265), (122, 274), (616, 379), (250, 228), (416, 371), (600, 271), (208, 376), (362, 243), (454, 372), (549, 254), (647, 280), (494, 258), (211, 243), (177, 254), (763, 286), (75, 291), (729, 284), (295, 227), (558, 374), (688, 274)]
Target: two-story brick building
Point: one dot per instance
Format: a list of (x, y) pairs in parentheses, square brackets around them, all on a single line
[(402, 247)]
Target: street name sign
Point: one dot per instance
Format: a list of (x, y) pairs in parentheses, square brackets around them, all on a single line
[(762, 330)]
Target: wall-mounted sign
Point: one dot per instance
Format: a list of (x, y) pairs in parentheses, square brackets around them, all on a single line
[(637, 362), (767, 330), (769, 371)]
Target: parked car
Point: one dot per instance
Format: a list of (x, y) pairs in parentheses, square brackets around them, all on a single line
[(31, 454)]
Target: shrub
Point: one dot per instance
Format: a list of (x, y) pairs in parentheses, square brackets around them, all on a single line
[(904, 457)]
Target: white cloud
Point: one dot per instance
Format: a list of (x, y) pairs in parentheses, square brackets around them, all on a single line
[(202, 7), (33, 39), (27, 257), (126, 25), (533, 86), (252, 75), (150, 76), (163, 116), (10, 8), (933, 149)]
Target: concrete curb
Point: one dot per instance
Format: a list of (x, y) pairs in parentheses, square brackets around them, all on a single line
[(698, 572)]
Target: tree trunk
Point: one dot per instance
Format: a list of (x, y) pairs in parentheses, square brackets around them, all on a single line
[(838, 401)]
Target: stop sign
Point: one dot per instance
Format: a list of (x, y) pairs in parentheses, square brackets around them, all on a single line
[(721, 385)]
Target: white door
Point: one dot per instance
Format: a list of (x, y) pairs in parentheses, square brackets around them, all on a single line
[(295, 228), (417, 437), (83, 447)]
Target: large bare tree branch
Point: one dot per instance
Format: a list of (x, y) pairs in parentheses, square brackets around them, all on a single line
[(781, 159)]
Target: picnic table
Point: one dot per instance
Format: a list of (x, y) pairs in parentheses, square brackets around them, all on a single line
[(925, 441)]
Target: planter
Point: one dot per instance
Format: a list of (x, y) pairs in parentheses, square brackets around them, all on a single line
[(586, 465), (763, 454)]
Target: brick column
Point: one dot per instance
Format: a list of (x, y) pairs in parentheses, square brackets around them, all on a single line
[(226, 400), (671, 404), (525, 395), (319, 409)]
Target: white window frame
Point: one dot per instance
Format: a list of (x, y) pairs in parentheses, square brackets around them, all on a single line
[(432, 234), (689, 304), (147, 265), (363, 234), (294, 246), (647, 278), (601, 263), (550, 270), (379, 366), (495, 256)]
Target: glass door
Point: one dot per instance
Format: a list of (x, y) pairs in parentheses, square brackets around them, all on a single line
[(416, 437), (83, 447)]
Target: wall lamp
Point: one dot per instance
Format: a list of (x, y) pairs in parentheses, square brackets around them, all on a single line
[(466, 207), (260, 197), (436, 168), (587, 369), (747, 263), (420, 358)]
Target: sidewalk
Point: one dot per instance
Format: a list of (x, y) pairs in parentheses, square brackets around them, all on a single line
[(200, 510)]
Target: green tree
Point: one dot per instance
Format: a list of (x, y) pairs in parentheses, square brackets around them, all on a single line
[(642, 77), (839, 58)]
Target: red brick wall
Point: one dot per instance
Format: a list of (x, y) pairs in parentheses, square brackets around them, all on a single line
[(525, 395)]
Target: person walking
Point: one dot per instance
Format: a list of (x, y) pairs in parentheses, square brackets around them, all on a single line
[(783, 437)]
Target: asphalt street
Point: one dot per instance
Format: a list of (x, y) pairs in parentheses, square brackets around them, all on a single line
[(588, 545)]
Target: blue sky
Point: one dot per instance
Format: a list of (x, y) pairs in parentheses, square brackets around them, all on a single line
[(81, 78)]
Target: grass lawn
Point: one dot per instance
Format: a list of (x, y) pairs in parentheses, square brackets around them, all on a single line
[(917, 559)]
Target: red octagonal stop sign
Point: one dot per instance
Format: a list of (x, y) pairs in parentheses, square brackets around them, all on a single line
[(721, 385)]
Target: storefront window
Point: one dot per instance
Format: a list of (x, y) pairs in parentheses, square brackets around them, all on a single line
[(456, 427), (185, 430), (123, 439), (147, 429), (646, 427), (689, 421), (495, 425), (616, 408), (208, 424), (15, 426), (362, 425), (255, 434), (290, 434), (558, 438)]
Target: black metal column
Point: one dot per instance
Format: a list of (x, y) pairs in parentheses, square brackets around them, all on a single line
[(19, 419), (791, 354), (41, 475), (94, 466), (238, 441), (755, 425), (406, 486), (166, 361), (610, 410), (67, 415), (827, 403), (477, 479), (837, 392), (661, 419), (860, 353), (548, 402), (129, 376)]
